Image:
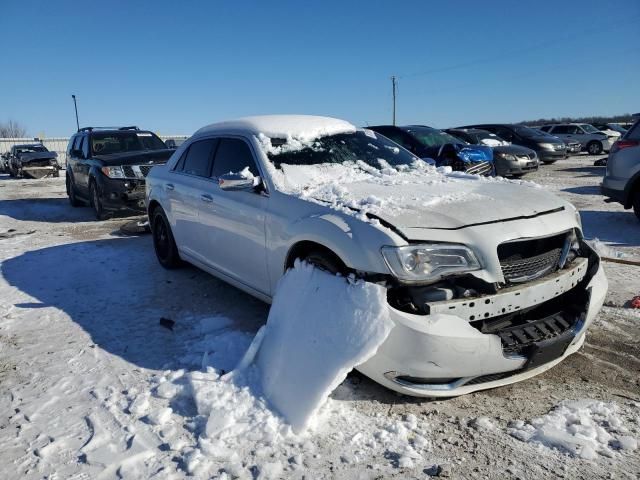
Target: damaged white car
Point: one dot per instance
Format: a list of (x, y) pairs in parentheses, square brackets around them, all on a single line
[(489, 281)]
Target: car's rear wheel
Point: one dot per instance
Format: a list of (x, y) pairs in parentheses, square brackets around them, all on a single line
[(96, 201), (594, 148), (549, 162), (163, 242), (71, 193), (636, 202)]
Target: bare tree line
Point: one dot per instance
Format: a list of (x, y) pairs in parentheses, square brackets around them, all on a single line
[(623, 118), (12, 129)]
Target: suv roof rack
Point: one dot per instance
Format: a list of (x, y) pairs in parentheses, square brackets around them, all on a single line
[(89, 129)]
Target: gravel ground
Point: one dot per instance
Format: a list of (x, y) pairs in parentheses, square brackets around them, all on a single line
[(66, 378)]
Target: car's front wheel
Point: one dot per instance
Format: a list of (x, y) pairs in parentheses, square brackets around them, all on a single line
[(327, 261), (594, 148), (96, 201), (163, 242), (549, 162)]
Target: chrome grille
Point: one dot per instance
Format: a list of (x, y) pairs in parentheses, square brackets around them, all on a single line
[(145, 169), (525, 269), (136, 171), (526, 260), (481, 168)]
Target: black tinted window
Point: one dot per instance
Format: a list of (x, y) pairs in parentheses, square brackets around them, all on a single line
[(233, 155), (561, 129), (197, 161)]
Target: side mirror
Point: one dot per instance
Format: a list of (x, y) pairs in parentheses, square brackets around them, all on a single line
[(237, 181)]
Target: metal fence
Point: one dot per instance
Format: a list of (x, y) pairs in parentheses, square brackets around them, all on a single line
[(59, 144)]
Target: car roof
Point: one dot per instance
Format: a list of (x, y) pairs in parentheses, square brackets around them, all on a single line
[(281, 126)]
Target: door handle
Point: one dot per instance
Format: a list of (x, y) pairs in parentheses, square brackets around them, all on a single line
[(206, 198), (169, 186)]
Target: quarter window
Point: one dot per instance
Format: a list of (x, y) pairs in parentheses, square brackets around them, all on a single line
[(198, 158), (233, 155)]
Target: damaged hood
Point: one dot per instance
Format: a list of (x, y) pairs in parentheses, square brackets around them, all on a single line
[(419, 197), (152, 157), (28, 157), (453, 205)]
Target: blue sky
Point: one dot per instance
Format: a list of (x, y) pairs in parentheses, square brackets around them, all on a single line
[(175, 66)]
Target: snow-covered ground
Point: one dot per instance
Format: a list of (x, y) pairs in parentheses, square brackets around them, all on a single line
[(110, 366)]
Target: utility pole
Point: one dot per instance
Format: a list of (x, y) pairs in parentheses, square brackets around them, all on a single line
[(393, 84), (76, 107)]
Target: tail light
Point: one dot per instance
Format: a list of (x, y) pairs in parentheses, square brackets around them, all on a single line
[(622, 144)]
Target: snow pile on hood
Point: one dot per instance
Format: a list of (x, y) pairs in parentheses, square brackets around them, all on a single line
[(493, 142), (583, 428), (320, 326)]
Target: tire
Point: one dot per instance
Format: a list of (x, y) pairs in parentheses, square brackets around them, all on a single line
[(594, 148), (71, 193), (549, 162), (163, 242), (327, 261), (96, 202), (56, 173), (635, 202)]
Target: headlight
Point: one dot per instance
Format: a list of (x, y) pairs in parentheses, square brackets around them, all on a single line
[(546, 146), (113, 172), (413, 263), (507, 156)]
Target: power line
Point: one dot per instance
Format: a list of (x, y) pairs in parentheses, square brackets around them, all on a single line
[(511, 53)]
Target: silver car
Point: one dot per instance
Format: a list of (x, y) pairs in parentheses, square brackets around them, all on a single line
[(488, 282), (593, 140), (621, 182)]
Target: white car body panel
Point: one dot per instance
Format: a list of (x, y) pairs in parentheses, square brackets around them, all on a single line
[(244, 238)]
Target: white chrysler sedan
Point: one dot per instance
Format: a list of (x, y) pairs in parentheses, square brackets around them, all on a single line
[(489, 281)]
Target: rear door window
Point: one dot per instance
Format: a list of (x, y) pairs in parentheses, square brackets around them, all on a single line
[(560, 130), (233, 155), (198, 158)]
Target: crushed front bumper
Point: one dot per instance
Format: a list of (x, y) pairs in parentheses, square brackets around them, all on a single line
[(122, 194), (444, 355)]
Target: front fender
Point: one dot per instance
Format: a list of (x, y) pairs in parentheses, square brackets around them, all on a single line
[(355, 241)]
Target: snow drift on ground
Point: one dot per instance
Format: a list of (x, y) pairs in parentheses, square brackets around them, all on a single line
[(584, 428), (320, 326)]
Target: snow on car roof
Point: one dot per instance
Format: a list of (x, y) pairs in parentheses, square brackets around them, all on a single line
[(282, 126)]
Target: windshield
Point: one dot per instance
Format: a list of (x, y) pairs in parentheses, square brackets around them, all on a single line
[(104, 143), (361, 145), (31, 148), (528, 132), (589, 128), (430, 137), (617, 128)]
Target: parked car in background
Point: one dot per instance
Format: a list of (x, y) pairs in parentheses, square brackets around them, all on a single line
[(612, 130), (548, 148), (4, 163), (32, 160), (492, 286), (621, 182), (444, 149), (510, 160), (593, 140), (106, 167)]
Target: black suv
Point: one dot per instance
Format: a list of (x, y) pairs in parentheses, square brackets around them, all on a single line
[(106, 167), (549, 148)]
